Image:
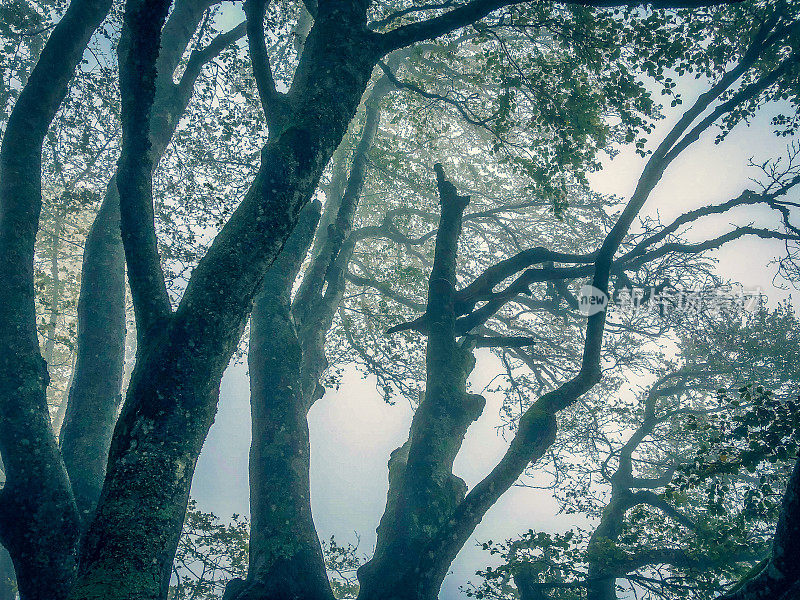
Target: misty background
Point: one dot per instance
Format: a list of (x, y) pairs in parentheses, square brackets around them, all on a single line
[(353, 430)]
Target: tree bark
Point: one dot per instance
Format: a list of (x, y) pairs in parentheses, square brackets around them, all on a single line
[(98, 373), (8, 581), (286, 560), (38, 516), (423, 489), (323, 284), (277, 326), (174, 388)]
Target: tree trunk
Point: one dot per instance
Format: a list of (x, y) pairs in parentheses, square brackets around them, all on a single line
[(602, 584), (94, 396), (38, 516), (8, 581), (172, 396), (286, 359), (98, 373), (423, 490), (286, 560)]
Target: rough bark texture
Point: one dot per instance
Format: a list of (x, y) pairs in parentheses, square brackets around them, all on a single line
[(423, 491), (286, 559), (174, 388), (38, 516), (175, 385), (98, 373), (537, 426)]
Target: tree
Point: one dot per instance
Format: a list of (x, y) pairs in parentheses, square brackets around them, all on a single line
[(36, 481), (694, 479), (280, 432), (128, 547)]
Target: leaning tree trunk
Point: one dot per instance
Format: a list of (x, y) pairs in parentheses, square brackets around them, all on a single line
[(172, 396), (38, 516), (98, 373)]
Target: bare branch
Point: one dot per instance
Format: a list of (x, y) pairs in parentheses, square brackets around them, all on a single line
[(198, 58)]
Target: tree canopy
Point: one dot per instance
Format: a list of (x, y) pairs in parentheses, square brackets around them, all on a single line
[(390, 186)]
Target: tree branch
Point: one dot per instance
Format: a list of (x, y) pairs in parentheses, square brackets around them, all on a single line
[(676, 557), (141, 38), (500, 341), (537, 426), (652, 499), (272, 101), (468, 13), (398, 14), (39, 521), (474, 11), (779, 577), (199, 58)]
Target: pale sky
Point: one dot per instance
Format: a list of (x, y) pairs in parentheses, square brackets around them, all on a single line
[(353, 431)]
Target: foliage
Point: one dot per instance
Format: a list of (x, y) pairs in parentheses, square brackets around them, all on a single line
[(211, 552), (705, 475), (757, 432), (556, 559)]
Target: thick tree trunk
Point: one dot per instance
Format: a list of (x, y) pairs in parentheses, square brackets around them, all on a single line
[(38, 516), (423, 489), (172, 395), (94, 396), (97, 377)]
